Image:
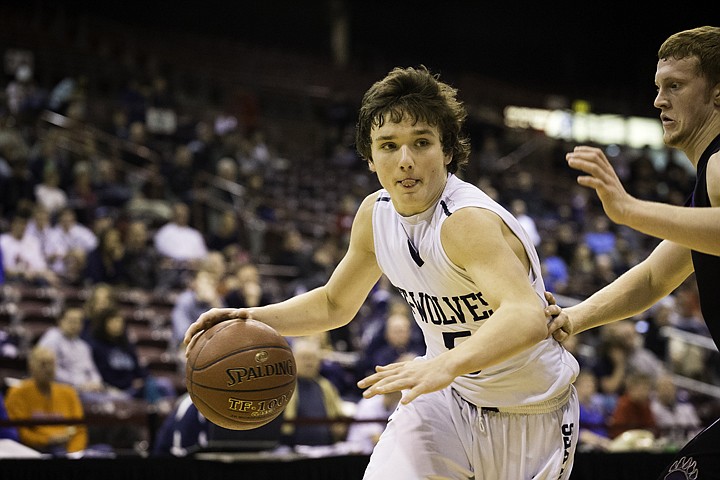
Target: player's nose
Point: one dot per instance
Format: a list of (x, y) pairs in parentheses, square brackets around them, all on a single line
[(406, 159)]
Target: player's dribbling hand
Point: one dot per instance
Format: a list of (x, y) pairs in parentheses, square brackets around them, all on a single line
[(210, 318)]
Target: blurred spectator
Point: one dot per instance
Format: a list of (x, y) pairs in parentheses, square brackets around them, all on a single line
[(47, 154), (24, 96), (245, 289), (41, 398), (180, 174), (205, 147), (337, 366), (109, 184), (555, 270), (71, 241), (595, 411), (106, 263), (662, 314), (149, 201), (293, 252), (199, 296), (633, 411), (7, 432), (599, 237), (604, 269), (621, 353), (181, 247), (117, 360), (23, 258), (182, 430), (102, 297), (227, 174), (141, 260), (81, 195), (394, 341), (11, 343), (518, 207), (685, 357), (315, 398), (40, 226), (17, 189), (676, 418), (566, 238), (365, 435), (48, 193), (227, 235), (74, 361)]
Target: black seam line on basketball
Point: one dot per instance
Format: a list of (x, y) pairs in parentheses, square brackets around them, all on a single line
[(229, 390), (235, 352)]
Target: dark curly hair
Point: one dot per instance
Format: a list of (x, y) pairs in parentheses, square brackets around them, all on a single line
[(421, 96)]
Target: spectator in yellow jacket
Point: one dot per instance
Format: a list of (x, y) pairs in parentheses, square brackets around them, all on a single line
[(40, 397)]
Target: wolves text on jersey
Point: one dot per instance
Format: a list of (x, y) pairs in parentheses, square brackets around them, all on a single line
[(447, 310)]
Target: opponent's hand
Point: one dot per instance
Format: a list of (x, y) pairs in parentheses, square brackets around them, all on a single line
[(602, 178), (416, 376), (560, 326), (210, 318)]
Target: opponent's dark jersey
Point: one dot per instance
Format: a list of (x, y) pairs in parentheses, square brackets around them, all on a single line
[(707, 267)]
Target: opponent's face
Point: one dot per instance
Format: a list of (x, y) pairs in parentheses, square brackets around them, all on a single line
[(685, 101), (409, 163)]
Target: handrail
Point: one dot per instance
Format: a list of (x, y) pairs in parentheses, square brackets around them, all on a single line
[(689, 337)]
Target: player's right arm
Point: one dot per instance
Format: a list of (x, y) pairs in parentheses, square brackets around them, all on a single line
[(694, 228), (324, 308), (633, 292)]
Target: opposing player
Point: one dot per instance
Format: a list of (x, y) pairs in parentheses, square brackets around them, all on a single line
[(493, 397), (688, 82)]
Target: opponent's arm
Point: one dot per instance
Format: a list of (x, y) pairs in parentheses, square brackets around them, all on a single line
[(323, 308), (694, 228), (633, 292)]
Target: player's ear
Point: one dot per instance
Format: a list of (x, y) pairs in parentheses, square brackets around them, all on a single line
[(716, 94), (371, 165)]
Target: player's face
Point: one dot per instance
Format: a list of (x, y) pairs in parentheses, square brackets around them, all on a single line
[(685, 102), (410, 164)]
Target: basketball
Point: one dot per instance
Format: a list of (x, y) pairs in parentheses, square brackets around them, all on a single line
[(240, 374)]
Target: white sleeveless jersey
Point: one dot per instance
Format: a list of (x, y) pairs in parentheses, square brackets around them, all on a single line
[(448, 306)]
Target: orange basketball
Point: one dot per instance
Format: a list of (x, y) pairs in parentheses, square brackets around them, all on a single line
[(240, 374)]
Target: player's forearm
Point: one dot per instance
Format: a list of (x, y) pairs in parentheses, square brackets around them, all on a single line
[(629, 295), (694, 228), (492, 344), (304, 314)]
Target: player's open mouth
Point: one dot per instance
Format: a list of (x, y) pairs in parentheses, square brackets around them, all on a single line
[(408, 182)]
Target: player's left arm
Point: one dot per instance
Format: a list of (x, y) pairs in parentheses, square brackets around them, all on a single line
[(478, 241)]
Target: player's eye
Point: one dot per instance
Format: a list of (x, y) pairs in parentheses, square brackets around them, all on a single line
[(387, 146)]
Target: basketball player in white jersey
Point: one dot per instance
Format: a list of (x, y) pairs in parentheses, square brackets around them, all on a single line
[(492, 398)]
